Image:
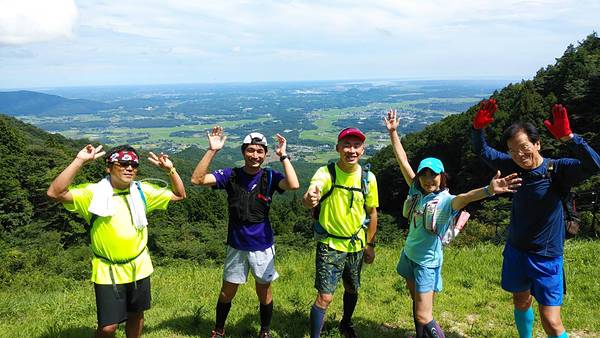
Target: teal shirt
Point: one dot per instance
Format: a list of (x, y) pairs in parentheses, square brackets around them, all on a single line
[(422, 246)]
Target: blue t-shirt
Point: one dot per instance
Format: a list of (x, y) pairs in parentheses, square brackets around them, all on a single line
[(253, 236), (537, 223), (423, 246)]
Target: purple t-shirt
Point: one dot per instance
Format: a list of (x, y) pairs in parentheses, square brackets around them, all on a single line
[(253, 236)]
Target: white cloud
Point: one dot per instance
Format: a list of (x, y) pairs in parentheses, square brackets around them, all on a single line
[(275, 24), (27, 21), (249, 40)]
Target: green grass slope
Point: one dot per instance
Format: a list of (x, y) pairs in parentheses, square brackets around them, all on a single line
[(472, 303)]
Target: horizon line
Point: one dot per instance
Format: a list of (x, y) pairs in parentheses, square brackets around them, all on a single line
[(340, 80)]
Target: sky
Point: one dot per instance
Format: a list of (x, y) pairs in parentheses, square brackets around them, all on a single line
[(61, 43)]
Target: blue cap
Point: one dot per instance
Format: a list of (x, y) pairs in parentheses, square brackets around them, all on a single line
[(432, 163)]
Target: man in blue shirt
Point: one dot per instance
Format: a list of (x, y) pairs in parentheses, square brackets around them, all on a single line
[(250, 235), (533, 255)]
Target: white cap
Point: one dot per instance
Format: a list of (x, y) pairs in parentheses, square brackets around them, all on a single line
[(255, 138)]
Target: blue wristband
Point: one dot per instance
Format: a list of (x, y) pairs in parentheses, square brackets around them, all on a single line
[(487, 192)]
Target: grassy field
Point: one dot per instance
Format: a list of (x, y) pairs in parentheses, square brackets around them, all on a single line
[(157, 135), (471, 304)]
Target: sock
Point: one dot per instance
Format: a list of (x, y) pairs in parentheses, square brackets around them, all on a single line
[(350, 300), (420, 330), (317, 318), (563, 335), (524, 322), (222, 312), (266, 313), (433, 330)]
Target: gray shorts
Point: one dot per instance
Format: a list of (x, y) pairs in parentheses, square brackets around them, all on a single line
[(239, 262)]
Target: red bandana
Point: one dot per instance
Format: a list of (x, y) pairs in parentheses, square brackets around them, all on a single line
[(123, 155)]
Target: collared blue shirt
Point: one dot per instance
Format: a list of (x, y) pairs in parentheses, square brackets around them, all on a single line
[(537, 223)]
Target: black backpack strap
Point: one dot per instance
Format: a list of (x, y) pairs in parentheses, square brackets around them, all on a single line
[(266, 181), (265, 184), (93, 219), (364, 178), (331, 169), (364, 184), (550, 169), (234, 174), (232, 180)]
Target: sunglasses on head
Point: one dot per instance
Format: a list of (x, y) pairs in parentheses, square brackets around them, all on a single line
[(125, 164)]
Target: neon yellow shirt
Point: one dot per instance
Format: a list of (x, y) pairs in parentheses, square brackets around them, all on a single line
[(115, 237), (336, 217)]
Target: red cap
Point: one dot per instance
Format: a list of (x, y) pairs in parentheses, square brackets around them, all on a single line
[(352, 132)]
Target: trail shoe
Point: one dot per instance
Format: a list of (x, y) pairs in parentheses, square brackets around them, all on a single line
[(264, 334), (347, 330), (217, 333)]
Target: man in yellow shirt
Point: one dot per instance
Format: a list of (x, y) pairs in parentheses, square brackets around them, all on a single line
[(116, 208), (347, 222)]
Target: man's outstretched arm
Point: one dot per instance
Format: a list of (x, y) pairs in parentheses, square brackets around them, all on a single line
[(58, 189), (216, 141)]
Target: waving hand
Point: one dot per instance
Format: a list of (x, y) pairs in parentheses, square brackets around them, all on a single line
[(216, 139), (485, 114), (561, 127)]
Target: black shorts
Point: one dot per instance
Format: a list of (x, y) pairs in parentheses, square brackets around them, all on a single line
[(112, 307)]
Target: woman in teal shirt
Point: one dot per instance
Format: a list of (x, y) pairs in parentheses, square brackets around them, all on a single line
[(430, 208)]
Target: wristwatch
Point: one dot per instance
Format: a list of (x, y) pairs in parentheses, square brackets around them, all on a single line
[(283, 157), (371, 244)]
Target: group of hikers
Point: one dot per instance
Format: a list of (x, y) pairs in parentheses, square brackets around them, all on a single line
[(343, 197)]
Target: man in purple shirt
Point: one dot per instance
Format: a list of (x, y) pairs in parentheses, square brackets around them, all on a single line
[(250, 235)]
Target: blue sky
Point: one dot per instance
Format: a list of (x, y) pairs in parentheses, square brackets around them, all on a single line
[(54, 43)]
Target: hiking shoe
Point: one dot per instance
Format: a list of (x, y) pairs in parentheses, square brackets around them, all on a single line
[(217, 333), (347, 330), (264, 334)]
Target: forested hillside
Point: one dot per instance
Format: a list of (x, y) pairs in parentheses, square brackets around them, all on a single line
[(37, 234), (574, 81)]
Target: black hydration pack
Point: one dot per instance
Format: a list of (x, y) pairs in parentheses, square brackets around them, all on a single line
[(248, 206), (319, 231)]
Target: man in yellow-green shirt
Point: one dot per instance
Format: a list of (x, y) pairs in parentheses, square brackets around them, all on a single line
[(347, 201), (116, 208)]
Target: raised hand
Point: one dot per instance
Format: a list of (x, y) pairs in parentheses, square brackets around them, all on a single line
[(391, 121), (485, 114), (216, 139), (89, 153), (507, 183), (561, 127), (282, 145), (314, 196), (162, 161)]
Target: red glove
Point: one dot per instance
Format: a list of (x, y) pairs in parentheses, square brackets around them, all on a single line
[(484, 116), (560, 128)]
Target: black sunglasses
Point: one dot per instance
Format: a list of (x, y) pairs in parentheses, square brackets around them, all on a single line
[(125, 164)]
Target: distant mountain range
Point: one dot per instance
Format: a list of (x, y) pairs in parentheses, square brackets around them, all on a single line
[(23, 102)]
